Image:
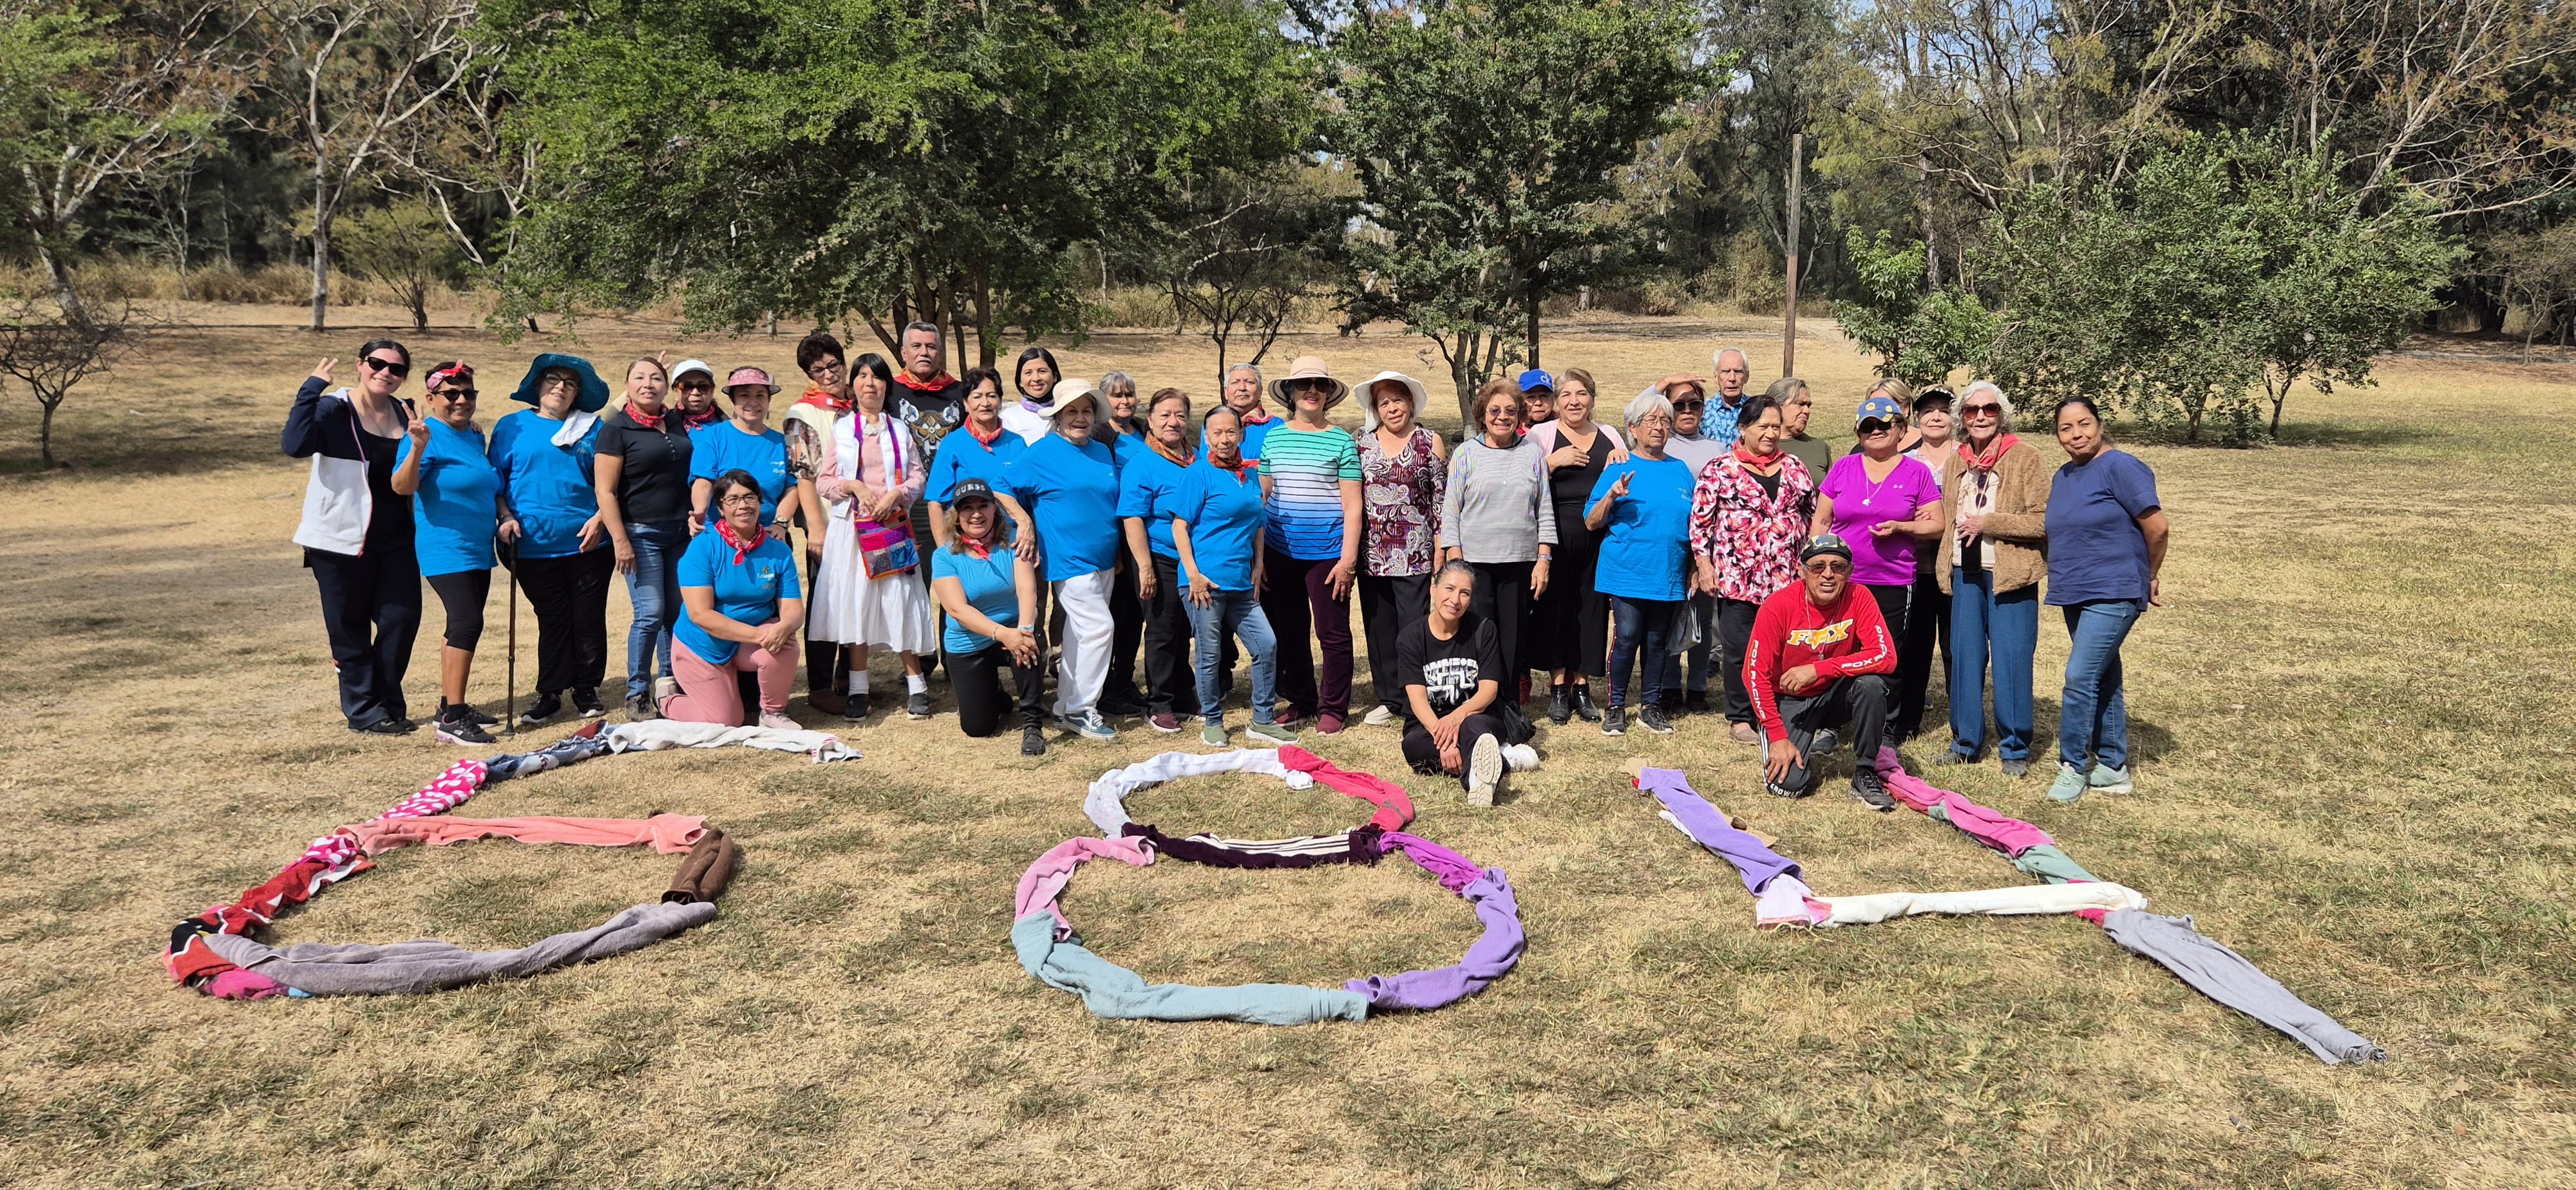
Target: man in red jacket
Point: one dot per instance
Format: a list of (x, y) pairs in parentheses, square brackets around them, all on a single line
[(1819, 658)]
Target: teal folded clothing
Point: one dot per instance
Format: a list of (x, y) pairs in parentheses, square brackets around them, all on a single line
[(1110, 990), (2050, 864)]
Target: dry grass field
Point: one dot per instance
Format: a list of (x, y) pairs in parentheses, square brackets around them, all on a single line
[(2354, 723)]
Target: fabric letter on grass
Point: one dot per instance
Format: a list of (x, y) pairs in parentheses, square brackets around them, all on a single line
[(428, 965), (2221, 974)]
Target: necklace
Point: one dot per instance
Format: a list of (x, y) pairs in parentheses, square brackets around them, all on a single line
[(1870, 493)]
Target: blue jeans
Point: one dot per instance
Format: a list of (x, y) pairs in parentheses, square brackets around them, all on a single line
[(1647, 622), (653, 587), (2093, 715), (1997, 632), (1237, 613)]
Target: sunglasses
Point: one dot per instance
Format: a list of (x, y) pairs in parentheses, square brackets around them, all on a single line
[(1689, 406), (1829, 566), (398, 368), (1973, 410), (458, 394), (1874, 427), (697, 386)]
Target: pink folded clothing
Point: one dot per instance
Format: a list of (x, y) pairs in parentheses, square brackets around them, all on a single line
[(2012, 836), (669, 834), (1045, 879), (237, 984)]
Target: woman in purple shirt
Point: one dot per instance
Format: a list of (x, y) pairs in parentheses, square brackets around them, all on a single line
[(1883, 502)]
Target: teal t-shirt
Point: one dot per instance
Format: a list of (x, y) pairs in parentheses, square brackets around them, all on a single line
[(454, 514), (747, 592), (722, 447), (548, 486), (991, 586), (1646, 546)]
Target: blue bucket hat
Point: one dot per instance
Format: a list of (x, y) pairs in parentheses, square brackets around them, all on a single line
[(1535, 378), (594, 391), (1880, 409)]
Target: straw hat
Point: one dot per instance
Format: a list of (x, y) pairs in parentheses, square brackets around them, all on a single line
[(1308, 367), (1368, 411)]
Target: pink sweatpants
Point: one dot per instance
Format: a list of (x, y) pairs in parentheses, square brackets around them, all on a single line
[(708, 693)]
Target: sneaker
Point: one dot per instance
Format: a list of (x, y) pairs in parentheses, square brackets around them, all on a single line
[(1869, 791), (1032, 741), (1329, 723), (854, 706), (640, 708), (587, 703), (1277, 733), (389, 725), (543, 710), (1484, 767), (2015, 768), (663, 689), (2068, 787), (1165, 722), (1615, 722), (917, 704), (1381, 715), (1560, 708), (1121, 705), (2109, 780), (1293, 720), (1785, 791), (456, 725), (1213, 734), (1583, 708), (776, 722), (1743, 733), (1824, 742), (1696, 702), (1520, 758), (480, 719), (1652, 719), (1951, 756), (1089, 725)]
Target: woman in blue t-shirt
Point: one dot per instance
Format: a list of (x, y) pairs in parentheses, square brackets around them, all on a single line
[(744, 611), (990, 592), (1218, 524), (742, 443), (455, 513), (1642, 507), (1150, 469), (1068, 481), (543, 457), (2106, 548)]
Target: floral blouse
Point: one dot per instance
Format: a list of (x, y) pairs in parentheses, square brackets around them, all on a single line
[(1400, 505), (1750, 535)]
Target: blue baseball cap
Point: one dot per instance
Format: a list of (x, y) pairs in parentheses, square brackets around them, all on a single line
[(1880, 409), (1536, 378)]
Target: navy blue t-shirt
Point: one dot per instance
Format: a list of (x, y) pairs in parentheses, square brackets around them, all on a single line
[(2095, 548)]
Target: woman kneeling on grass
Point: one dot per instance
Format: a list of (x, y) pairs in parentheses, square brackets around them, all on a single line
[(745, 610), (989, 591), (1451, 664)]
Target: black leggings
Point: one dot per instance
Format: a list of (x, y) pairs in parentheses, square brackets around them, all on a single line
[(1171, 681), (463, 594), (570, 596), (1423, 753), (1503, 597), (981, 700)]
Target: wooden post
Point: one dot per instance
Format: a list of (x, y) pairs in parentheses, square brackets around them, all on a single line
[(1789, 331)]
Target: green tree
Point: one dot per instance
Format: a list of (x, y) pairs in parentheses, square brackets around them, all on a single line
[(1489, 138), (1244, 251), (405, 247), (1919, 336)]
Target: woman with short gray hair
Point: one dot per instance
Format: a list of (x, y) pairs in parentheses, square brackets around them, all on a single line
[(1994, 511), (1642, 507)]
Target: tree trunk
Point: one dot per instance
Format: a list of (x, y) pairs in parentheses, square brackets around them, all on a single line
[(321, 258), (58, 275), (45, 435), (1537, 286)]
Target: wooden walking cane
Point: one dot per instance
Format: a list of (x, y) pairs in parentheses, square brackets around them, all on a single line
[(511, 700)]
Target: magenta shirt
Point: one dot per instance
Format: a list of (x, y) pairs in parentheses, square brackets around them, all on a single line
[(1858, 504)]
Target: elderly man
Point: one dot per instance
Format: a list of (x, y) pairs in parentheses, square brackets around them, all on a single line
[(1819, 659), (925, 395), (1734, 371), (1243, 395)]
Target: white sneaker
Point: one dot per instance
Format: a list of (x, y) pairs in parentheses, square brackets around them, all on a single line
[(1484, 767), (1520, 758), (779, 722), (663, 689), (1379, 716)]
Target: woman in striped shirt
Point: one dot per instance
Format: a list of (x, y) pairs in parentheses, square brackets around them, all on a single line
[(1310, 484)]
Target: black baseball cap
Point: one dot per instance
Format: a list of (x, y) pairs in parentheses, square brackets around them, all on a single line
[(970, 489)]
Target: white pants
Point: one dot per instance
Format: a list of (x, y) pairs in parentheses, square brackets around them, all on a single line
[(1087, 629)]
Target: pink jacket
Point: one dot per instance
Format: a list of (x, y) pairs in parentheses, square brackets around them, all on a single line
[(1751, 536)]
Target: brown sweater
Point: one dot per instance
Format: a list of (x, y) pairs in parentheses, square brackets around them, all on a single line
[(2018, 525)]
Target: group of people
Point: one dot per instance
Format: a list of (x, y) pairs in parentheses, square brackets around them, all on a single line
[(1046, 525)]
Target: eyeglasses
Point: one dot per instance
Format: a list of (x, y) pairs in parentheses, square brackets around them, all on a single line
[(741, 500), (824, 367), (1973, 410), (1654, 419), (1829, 566), (399, 368), (558, 382)]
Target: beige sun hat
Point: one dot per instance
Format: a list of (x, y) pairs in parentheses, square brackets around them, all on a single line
[(1368, 410), (1071, 389), (1308, 367)]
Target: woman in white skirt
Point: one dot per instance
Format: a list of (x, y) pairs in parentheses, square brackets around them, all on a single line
[(867, 595)]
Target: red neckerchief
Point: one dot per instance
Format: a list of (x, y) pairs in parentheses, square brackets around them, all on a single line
[(1181, 458), (1240, 466), (980, 436), (818, 395), (1750, 459), (932, 385), (1994, 451), (979, 547), (650, 421), (1257, 407), (692, 421), (759, 533)]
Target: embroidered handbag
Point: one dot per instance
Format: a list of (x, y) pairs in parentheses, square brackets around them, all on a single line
[(884, 550)]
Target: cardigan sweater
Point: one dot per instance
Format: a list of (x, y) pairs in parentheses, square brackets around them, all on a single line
[(2018, 526)]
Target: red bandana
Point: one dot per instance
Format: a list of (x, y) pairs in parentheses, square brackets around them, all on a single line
[(980, 436), (1744, 456), (977, 546), (932, 385), (1241, 466), (691, 421), (819, 395), (650, 421), (1260, 413), (1994, 451), (759, 533), (1180, 457)]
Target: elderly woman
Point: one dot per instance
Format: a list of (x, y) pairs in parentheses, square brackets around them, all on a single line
[(1218, 522), (980, 449), (743, 443), (1927, 609), (357, 531), (1749, 514), (1883, 504), (1571, 627), (2106, 551), (745, 610), (543, 459), (1150, 472), (455, 512), (1310, 482), (868, 596), (1068, 481), (990, 592), (807, 425), (1642, 507), (1499, 517), (1797, 407), (1452, 666), (641, 474), (1124, 431), (1994, 511), (1697, 444), (1404, 475), (1538, 398)]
